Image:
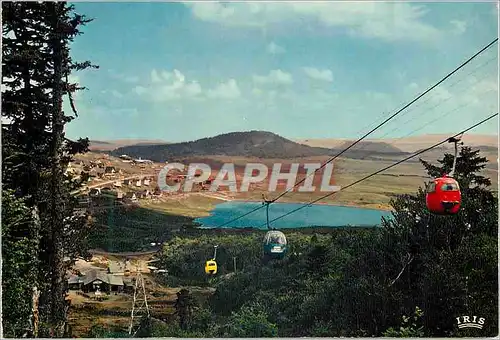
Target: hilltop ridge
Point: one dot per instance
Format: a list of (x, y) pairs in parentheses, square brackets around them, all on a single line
[(260, 144)]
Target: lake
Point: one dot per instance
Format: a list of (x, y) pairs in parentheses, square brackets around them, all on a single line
[(314, 215)]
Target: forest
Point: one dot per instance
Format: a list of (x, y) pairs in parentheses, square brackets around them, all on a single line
[(411, 277)]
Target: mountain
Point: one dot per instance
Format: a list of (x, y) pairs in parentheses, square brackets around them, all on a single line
[(371, 146), (97, 145), (261, 144), (412, 143)]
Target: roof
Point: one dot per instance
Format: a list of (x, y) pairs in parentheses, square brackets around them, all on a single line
[(110, 279), (74, 279)]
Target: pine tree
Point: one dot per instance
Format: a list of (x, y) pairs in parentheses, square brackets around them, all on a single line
[(446, 264), (19, 258), (36, 67)]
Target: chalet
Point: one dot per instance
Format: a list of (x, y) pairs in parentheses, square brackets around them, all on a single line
[(144, 194), (110, 170), (142, 161), (138, 183), (117, 184), (75, 282), (120, 195), (146, 181), (125, 157), (94, 280), (94, 192), (131, 196)]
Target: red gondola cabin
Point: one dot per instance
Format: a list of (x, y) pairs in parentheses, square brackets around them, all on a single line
[(443, 196)]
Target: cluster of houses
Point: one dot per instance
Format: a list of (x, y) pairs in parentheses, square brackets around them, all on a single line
[(114, 280), (98, 169), (130, 195), (101, 168), (118, 278)]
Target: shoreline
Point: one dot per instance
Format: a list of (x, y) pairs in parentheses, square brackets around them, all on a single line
[(375, 206), (382, 207)]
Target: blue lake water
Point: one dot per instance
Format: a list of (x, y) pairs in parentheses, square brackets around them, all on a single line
[(314, 215)]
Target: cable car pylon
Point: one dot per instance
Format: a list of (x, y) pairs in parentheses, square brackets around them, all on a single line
[(140, 305)]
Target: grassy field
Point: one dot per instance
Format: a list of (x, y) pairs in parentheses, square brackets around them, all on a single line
[(189, 205)]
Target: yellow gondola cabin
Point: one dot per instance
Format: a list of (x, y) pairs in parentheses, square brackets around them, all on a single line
[(211, 267)]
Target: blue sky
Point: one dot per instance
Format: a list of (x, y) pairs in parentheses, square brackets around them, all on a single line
[(183, 71)]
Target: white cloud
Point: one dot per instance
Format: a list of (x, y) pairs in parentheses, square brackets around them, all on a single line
[(317, 74), (229, 90), (384, 20), (166, 86), (273, 48), (459, 26), (274, 77)]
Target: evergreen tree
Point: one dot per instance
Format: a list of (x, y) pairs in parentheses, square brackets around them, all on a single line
[(36, 67), (19, 259), (447, 265)]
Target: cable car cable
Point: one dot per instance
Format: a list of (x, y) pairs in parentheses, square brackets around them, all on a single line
[(441, 102), (399, 138), (431, 110), (371, 131), (428, 123), (426, 100), (395, 114), (386, 168)]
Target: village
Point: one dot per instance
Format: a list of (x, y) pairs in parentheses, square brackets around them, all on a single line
[(124, 180)]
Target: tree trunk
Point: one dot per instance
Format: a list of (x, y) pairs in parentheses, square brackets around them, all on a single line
[(57, 309), (36, 295)]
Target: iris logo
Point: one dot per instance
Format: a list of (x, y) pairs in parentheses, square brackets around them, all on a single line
[(466, 321)]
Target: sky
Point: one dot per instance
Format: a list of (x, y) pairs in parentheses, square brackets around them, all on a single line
[(189, 70)]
